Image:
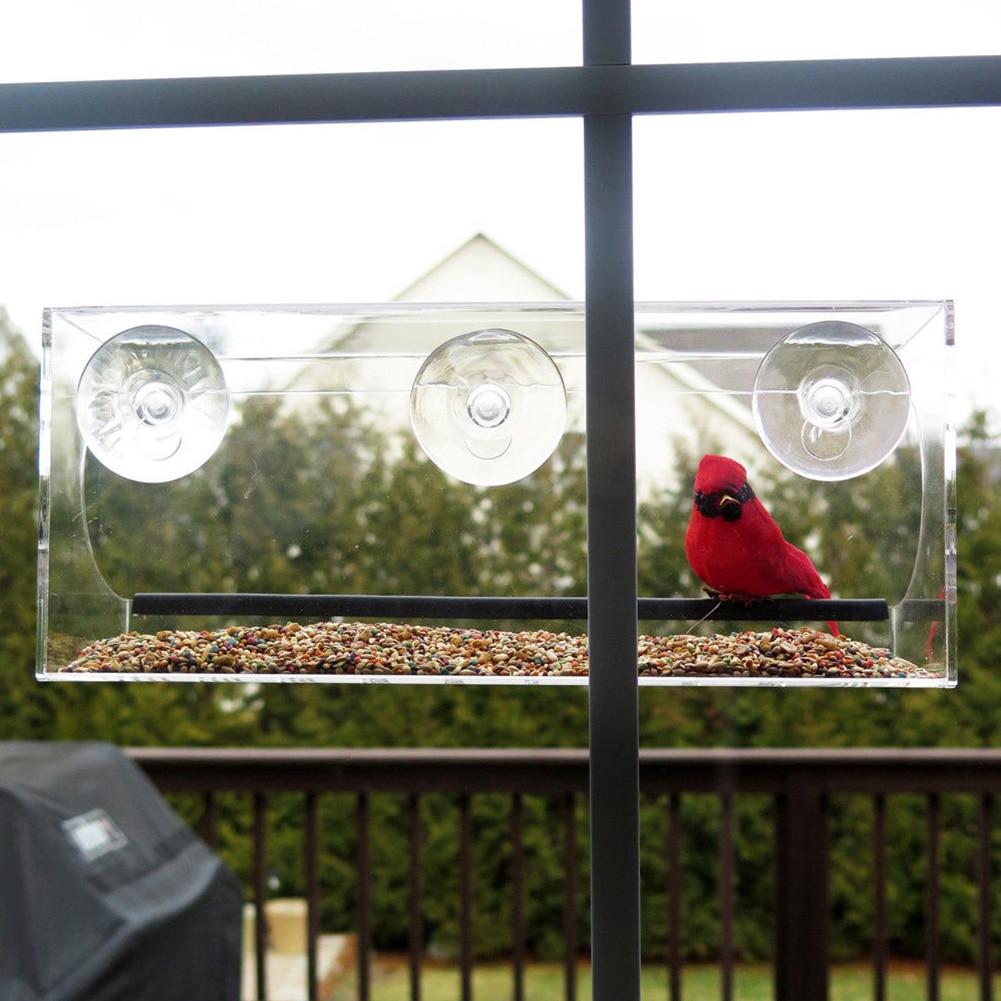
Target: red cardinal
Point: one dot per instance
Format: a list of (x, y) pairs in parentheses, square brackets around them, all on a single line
[(735, 547)]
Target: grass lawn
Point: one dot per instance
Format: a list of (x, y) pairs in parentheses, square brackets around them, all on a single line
[(544, 982)]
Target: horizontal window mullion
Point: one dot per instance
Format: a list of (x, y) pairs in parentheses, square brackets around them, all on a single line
[(339, 97), (502, 93)]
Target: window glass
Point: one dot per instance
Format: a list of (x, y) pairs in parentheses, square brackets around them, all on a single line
[(115, 39), (730, 30), (333, 213), (826, 206), (825, 209), (305, 436)]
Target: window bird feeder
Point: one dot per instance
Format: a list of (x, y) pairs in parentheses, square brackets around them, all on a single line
[(250, 493)]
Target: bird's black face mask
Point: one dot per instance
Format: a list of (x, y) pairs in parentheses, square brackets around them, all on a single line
[(728, 504)]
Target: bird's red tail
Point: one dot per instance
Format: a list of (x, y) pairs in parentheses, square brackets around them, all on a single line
[(822, 592)]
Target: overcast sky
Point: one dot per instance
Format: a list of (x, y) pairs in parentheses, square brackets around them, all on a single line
[(825, 206)]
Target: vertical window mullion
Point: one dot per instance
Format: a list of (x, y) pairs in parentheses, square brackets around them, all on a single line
[(611, 535)]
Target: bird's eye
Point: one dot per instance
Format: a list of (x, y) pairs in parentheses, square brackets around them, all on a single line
[(707, 504)]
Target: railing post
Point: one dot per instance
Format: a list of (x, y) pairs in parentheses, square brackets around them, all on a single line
[(801, 868), (518, 951), (880, 937), (932, 891), (466, 896), (674, 896), (570, 897), (415, 897), (363, 869), (311, 846), (260, 895), (209, 824), (985, 966), (727, 891)]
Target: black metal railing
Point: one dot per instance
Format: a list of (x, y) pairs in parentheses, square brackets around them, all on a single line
[(800, 785)]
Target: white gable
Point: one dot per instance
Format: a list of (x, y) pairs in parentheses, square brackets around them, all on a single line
[(378, 357), (480, 271)]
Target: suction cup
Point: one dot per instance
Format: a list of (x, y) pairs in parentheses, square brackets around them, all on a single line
[(831, 400), (488, 407), (152, 404)]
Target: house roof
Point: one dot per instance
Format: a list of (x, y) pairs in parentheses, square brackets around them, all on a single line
[(682, 393), (474, 272)]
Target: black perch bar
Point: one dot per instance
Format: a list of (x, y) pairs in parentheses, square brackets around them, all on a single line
[(481, 607)]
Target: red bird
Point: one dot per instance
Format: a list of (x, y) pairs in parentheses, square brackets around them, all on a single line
[(735, 547)]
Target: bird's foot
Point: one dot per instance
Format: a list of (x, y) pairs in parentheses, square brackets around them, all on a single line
[(736, 597)]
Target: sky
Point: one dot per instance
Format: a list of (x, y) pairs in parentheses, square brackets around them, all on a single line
[(823, 206)]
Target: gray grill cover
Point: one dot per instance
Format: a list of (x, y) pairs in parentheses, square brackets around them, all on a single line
[(105, 893)]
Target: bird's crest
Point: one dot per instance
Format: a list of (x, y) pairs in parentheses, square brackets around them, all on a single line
[(719, 472)]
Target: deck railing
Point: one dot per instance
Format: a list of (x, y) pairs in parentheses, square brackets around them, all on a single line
[(799, 783)]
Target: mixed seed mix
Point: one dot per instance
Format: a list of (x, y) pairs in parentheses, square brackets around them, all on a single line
[(356, 648)]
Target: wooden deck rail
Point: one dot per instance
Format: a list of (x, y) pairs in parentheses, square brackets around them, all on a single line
[(799, 782)]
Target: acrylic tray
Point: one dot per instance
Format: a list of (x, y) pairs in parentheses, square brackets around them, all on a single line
[(297, 496)]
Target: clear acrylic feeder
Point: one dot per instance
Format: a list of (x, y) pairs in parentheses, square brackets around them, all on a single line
[(396, 493)]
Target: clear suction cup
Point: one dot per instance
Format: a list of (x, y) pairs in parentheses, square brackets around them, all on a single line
[(831, 400), (488, 407), (152, 404)]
